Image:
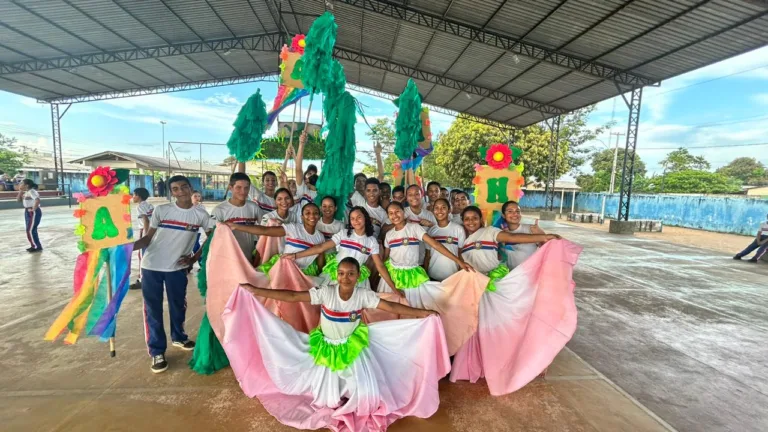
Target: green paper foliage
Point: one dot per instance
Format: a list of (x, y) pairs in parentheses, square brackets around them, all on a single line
[(408, 122), (122, 175), (316, 64), (336, 177), (250, 125), (202, 275)]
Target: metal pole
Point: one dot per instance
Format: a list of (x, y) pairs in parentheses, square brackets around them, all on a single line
[(162, 143), (562, 198), (573, 202), (615, 159)]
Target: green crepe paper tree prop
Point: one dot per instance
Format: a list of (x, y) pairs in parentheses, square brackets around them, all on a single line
[(209, 355), (408, 122), (336, 178), (315, 68), (250, 125)]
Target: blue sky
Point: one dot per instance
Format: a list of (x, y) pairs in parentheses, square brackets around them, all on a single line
[(725, 104)]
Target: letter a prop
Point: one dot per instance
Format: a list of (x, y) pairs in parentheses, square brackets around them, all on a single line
[(103, 226)]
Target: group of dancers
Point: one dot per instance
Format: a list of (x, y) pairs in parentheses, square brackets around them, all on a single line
[(351, 324)]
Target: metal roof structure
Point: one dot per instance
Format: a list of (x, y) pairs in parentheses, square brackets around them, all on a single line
[(514, 62), (134, 161)]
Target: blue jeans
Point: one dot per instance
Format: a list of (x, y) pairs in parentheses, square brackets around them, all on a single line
[(32, 221), (752, 246), (152, 291)]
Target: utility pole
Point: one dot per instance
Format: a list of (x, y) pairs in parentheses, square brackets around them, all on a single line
[(615, 157), (162, 143)]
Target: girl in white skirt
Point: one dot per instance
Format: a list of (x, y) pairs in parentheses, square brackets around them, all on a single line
[(356, 241), (344, 375), (447, 233), (516, 253)]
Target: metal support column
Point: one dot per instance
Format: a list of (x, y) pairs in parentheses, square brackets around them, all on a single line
[(628, 167), (58, 161), (549, 190)]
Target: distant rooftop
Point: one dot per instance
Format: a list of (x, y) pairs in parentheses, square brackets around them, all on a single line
[(132, 161)]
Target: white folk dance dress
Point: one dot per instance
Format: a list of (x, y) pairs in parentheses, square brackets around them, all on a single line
[(525, 316), (454, 299), (344, 375), (516, 253), (358, 247), (452, 237)]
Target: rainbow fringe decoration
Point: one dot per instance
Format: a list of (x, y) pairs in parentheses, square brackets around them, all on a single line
[(89, 312), (286, 96)]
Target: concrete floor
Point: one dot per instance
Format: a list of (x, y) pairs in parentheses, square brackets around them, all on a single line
[(668, 335)]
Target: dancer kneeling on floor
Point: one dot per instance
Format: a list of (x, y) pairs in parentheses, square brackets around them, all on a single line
[(356, 241), (344, 375)]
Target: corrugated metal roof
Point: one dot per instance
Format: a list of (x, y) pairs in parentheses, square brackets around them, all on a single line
[(153, 163), (473, 55)]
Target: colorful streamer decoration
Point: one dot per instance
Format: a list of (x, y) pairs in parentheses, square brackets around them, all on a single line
[(290, 89), (499, 181), (103, 269)]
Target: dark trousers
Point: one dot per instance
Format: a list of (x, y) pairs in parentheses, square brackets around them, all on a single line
[(152, 290), (32, 221), (752, 246)]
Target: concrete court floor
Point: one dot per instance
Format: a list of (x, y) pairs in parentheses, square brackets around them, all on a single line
[(669, 338)]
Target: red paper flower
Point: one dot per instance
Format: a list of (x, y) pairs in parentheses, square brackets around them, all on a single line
[(101, 181), (126, 199), (498, 156), (298, 44)]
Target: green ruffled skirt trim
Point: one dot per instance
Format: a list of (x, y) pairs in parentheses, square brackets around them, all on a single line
[(332, 265), (311, 270), (496, 274), (337, 357), (407, 278)]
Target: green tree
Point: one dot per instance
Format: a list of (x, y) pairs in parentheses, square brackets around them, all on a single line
[(10, 160), (693, 181), (682, 160), (602, 164), (748, 170)]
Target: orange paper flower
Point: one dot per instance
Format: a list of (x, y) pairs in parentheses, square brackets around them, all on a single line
[(101, 181), (126, 199), (79, 213), (499, 156)]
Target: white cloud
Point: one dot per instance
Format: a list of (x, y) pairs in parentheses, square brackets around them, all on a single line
[(32, 103), (761, 98), (224, 99)]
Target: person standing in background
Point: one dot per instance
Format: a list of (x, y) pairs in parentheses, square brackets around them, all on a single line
[(29, 196)]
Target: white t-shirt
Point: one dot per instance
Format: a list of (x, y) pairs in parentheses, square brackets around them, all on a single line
[(378, 218), (291, 217), (266, 203), (481, 249), (29, 198), (297, 239), (358, 247), (452, 237), (176, 232), (357, 199), (304, 195), (328, 230), (764, 228), (144, 209), (404, 245), (517, 253), (248, 214), (412, 217), (339, 318)]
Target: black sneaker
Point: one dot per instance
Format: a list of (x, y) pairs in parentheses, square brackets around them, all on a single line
[(187, 345), (752, 261), (30, 249), (135, 286), (737, 257), (36, 250), (158, 364)]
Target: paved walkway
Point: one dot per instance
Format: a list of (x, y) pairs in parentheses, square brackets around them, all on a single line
[(679, 331)]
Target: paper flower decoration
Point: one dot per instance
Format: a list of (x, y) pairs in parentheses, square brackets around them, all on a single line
[(79, 197), (101, 181), (498, 156), (298, 43), (284, 53), (126, 200), (79, 213)]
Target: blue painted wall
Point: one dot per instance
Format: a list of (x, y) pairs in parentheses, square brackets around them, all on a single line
[(727, 214)]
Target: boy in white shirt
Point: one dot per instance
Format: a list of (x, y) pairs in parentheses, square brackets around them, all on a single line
[(144, 212), (760, 243), (306, 192), (239, 210), (377, 213), (168, 242)]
